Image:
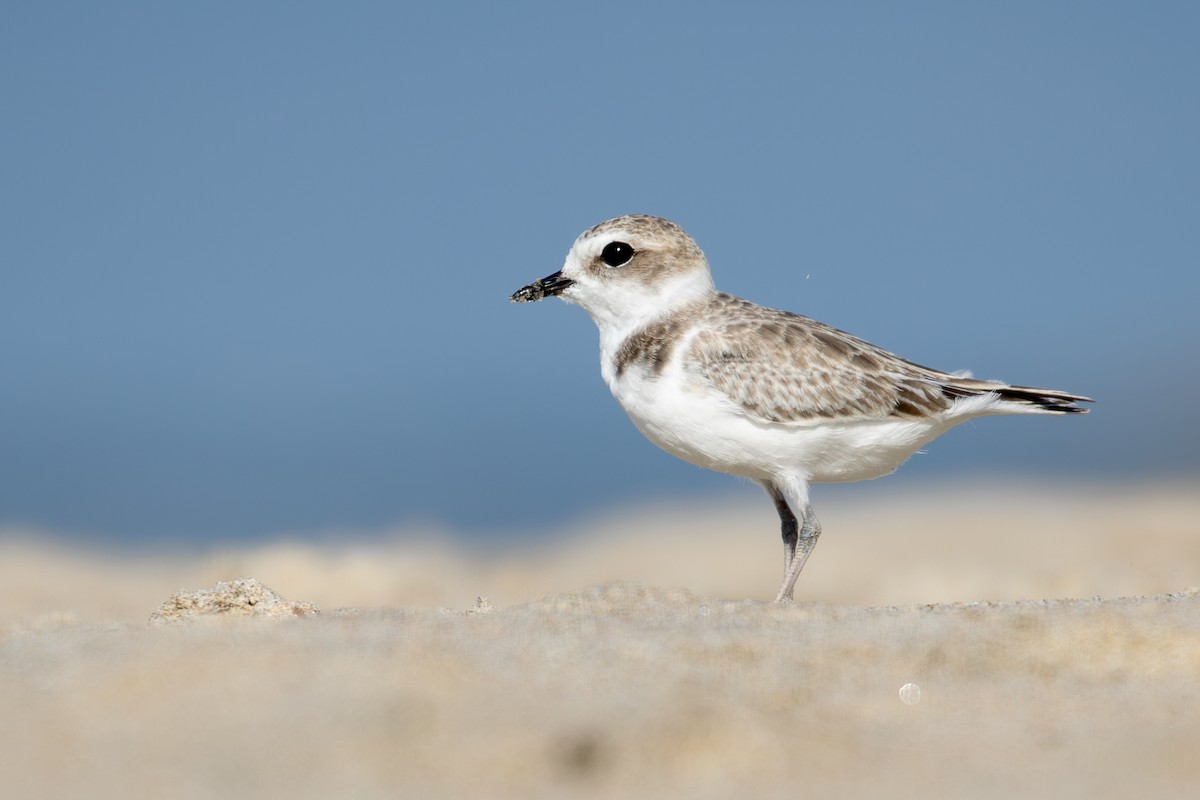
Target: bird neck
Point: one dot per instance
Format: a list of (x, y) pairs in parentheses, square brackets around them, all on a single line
[(619, 313)]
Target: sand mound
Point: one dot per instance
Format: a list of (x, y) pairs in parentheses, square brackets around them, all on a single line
[(245, 597)]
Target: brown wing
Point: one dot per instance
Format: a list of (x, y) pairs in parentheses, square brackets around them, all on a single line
[(781, 367)]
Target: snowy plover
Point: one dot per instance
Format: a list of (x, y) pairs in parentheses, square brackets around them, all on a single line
[(775, 397)]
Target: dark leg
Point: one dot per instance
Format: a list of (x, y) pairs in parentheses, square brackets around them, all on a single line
[(787, 524)]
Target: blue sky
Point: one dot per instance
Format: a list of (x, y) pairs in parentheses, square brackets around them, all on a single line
[(256, 257)]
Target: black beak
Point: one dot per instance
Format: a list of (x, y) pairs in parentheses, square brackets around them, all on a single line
[(546, 287)]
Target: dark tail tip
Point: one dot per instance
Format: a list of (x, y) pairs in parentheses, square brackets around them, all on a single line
[(1050, 400)]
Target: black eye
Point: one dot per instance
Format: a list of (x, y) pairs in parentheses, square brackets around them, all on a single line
[(616, 254)]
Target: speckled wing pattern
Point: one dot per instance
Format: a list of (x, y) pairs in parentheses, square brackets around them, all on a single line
[(781, 367)]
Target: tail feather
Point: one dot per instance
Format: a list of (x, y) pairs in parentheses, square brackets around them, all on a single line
[(1048, 400)]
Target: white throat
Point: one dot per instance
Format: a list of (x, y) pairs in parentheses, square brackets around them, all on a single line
[(626, 306)]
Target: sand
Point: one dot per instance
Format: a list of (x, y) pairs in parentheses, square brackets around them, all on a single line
[(919, 660)]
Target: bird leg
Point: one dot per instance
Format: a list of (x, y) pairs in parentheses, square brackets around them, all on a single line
[(787, 523), (810, 531), (798, 540)]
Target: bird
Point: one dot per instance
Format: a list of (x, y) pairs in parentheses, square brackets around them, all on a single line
[(768, 395)]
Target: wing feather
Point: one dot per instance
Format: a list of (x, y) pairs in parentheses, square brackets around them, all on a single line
[(782, 367)]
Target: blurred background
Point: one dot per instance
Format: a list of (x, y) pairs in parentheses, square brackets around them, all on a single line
[(256, 259)]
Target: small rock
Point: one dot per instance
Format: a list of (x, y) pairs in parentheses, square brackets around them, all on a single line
[(482, 606)]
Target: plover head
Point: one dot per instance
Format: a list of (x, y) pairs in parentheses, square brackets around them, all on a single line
[(627, 269)]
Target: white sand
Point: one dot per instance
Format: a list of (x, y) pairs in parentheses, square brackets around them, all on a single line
[(622, 689)]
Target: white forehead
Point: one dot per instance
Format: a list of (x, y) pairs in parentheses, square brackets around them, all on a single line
[(591, 242)]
